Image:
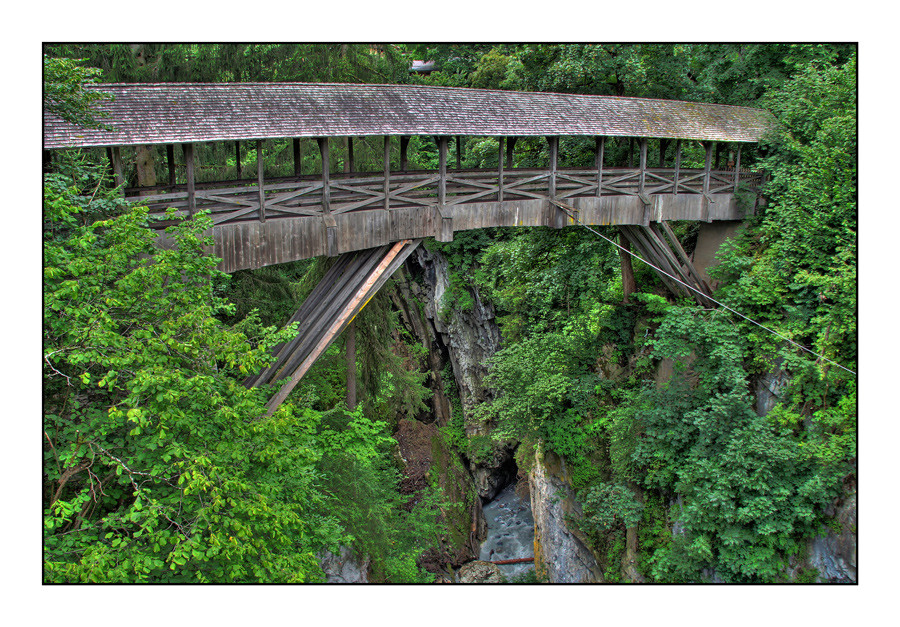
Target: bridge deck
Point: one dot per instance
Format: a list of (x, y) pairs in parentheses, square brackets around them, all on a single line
[(307, 216), (231, 202)]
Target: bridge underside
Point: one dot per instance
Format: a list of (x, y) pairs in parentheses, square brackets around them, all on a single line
[(255, 244), (348, 285)]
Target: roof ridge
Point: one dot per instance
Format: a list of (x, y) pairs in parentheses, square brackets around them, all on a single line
[(164, 113), (417, 87)]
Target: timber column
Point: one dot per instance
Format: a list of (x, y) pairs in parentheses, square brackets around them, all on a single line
[(327, 218), (444, 228), (556, 217)]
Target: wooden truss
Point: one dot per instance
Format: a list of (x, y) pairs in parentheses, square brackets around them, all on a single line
[(347, 286)]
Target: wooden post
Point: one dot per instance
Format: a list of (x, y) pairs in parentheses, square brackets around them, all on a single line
[(170, 161), (387, 172), (458, 152), (331, 244), (189, 175), (642, 181), (442, 170), (350, 354), (348, 164), (628, 284), (445, 226), (643, 158), (707, 168), (404, 144), (677, 164), (510, 143), (237, 158), (599, 149), (326, 167), (737, 168), (260, 181), (554, 156), (500, 171), (298, 158), (115, 157)]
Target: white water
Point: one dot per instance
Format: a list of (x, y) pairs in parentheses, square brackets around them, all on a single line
[(510, 532)]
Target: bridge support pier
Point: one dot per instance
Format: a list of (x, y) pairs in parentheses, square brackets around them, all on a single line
[(347, 286)]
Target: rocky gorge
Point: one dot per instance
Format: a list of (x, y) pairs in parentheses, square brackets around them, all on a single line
[(449, 447)]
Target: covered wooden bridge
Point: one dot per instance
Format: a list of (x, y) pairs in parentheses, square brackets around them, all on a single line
[(375, 218)]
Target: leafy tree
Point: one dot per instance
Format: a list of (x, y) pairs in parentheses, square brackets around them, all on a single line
[(64, 93)]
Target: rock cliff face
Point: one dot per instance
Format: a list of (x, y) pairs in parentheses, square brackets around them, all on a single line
[(469, 337), (465, 339), (345, 567), (834, 555), (559, 555)]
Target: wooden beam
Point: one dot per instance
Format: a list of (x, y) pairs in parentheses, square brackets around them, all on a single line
[(444, 228), (326, 173), (553, 140), (685, 260), (442, 142), (404, 145), (189, 175), (335, 327), (260, 179), (500, 170), (643, 176), (677, 165), (298, 158), (387, 172), (600, 148), (707, 168), (170, 161)]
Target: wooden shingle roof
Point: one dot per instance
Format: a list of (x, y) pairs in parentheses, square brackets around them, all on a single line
[(162, 113)]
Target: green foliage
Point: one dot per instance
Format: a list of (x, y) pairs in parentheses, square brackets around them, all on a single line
[(750, 491), (361, 484), (64, 93), (163, 468), (607, 507)]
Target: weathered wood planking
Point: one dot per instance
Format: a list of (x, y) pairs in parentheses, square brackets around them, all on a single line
[(254, 244)]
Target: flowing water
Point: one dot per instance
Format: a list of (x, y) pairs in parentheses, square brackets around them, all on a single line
[(510, 532)]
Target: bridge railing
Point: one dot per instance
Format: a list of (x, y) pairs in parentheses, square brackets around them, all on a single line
[(240, 201)]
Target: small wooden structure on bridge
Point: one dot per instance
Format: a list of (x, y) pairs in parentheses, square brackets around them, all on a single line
[(269, 221)]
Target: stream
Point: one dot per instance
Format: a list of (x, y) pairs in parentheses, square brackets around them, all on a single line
[(510, 532)]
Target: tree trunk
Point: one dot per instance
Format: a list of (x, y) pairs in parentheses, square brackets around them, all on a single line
[(146, 171), (628, 284)]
